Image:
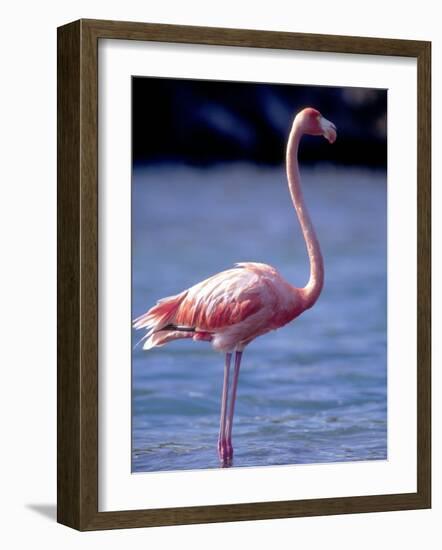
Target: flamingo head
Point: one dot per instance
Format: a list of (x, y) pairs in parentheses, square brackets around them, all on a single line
[(314, 124)]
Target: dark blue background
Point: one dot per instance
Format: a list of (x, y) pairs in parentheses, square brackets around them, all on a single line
[(202, 122)]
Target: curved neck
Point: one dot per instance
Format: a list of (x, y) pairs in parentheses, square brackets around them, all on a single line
[(314, 286)]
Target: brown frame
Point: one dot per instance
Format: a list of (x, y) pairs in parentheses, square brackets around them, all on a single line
[(77, 223)]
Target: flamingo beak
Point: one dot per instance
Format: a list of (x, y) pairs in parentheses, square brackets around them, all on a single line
[(328, 129)]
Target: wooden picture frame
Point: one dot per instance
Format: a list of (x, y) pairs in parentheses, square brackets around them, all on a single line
[(78, 274)]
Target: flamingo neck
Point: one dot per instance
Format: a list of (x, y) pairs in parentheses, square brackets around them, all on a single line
[(312, 290)]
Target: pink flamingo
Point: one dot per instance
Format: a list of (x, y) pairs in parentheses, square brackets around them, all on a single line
[(232, 308)]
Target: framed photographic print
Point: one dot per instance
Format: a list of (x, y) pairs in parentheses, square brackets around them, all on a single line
[(243, 275)]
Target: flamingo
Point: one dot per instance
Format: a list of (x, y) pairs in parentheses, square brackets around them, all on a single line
[(233, 307)]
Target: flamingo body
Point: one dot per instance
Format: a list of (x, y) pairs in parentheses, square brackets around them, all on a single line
[(229, 309)]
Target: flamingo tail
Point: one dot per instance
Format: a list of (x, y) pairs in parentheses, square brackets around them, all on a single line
[(159, 323), (158, 339)]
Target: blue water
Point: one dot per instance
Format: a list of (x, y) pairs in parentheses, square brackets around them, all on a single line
[(314, 391)]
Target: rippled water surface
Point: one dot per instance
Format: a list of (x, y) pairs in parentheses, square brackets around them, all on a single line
[(311, 392)]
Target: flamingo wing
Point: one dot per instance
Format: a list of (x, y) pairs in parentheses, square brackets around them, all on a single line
[(223, 300)]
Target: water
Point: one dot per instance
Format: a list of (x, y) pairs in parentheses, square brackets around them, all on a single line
[(314, 391)]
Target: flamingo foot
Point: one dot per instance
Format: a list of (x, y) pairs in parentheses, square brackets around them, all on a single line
[(226, 463), (225, 452), (225, 449)]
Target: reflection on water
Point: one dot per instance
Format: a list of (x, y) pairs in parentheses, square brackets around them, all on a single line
[(311, 392)]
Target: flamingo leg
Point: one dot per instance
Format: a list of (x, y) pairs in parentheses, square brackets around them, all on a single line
[(229, 425), (222, 447)]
